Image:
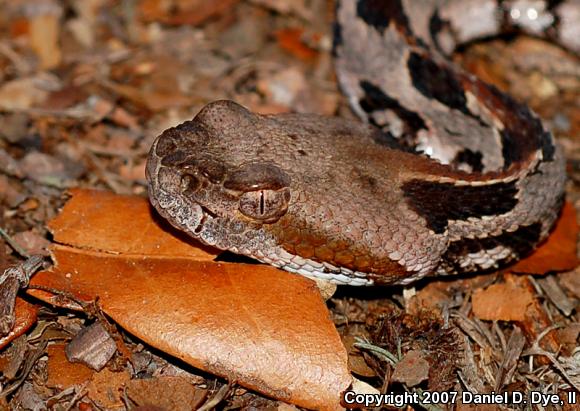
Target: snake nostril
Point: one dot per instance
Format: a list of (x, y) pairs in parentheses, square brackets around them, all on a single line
[(190, 183), (173, 158)]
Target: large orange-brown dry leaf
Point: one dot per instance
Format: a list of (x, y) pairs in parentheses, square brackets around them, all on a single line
[(264, 328), (103, 221), (558, 253)]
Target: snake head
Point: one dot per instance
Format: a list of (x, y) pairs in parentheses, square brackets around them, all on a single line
[(207, 178)]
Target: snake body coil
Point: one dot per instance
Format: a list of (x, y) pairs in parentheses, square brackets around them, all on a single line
[(448, 175)]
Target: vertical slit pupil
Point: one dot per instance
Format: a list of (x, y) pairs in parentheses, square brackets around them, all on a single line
[(262, 204)]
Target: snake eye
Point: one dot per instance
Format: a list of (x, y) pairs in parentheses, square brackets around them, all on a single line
[(265, 205)]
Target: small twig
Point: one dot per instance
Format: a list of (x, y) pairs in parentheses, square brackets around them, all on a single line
[(20, 63), (19, 250), (217, 398), (82, 391), (537, 350), (82, 305), (11, 281), (380, 352)]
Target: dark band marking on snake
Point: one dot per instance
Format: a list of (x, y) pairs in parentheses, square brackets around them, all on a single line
[(438, 203), (449, 175)]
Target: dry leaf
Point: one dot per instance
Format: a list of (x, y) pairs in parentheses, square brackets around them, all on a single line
[(290, 39), (264, 328), (103, 221), (558, 252), (507, 301), (193, 12), (515, 300), (284, 87), (297, 7), (152, 99), (44, 37), (356, 361), (21, 94), (571, 281), (413, 369), (106, 388), (25, 315), (167, 393), (32, 242), (61, 372)]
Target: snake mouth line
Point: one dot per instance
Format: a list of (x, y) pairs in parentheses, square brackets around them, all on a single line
[(206, 215)]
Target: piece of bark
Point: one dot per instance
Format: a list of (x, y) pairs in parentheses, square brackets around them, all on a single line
[(8, 289), (515, 346), (92, 346)]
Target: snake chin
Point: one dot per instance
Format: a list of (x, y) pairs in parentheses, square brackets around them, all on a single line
[(182, 216)]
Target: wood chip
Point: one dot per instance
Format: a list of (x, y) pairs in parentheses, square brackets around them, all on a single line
[(556, 295), (92, 346)]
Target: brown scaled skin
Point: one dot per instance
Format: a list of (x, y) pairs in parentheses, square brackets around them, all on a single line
[(297, 191), (334, 188)]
